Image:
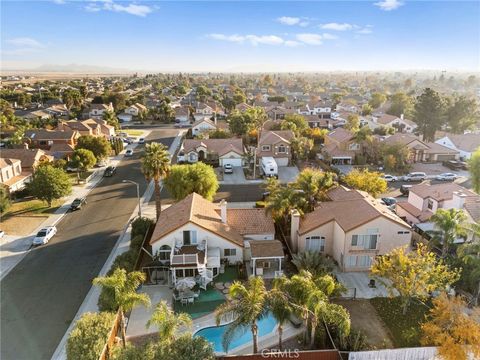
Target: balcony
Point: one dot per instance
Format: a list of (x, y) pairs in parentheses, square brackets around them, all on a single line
[(189, 255)]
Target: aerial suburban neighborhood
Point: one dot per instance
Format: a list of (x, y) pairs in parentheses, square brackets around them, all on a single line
[(198, 192)]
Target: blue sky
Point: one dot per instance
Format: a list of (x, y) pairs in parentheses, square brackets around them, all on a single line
[(242, 36)]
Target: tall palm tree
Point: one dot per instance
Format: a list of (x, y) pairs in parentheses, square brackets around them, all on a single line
[(124, 286), (247, 305), (314, 262), (281, 310), (470, 255), (282, 201), (315, 184), (168, 322), (451, 225), (155, 166)]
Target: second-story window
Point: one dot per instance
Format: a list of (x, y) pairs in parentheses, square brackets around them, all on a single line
[(367, 242), (265, 147), (282, 149), (430, 204), (189, 237)]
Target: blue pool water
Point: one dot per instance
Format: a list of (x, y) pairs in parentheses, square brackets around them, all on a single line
[(215, 334)]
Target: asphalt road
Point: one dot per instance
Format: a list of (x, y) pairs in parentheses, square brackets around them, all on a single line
[(42, 294), (231, 193)]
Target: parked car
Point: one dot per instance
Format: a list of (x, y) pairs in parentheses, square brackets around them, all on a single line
[(389, 201), (228, 169), (405, 189), (415, 176), (141, 141), (77, 203), (109, 171), (389, 178), (44, 235), (129, 152), (446, 177), (453, 164), (132, 139), (101, 163)]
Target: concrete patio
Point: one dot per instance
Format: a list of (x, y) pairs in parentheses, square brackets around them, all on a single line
[(357, 283)]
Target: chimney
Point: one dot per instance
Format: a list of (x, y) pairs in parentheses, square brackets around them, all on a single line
[(295, 225), (458, 199), (223, 211)]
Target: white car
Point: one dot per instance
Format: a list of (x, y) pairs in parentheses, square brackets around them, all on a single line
[(228, 169), (389, 178), (129, 152), (446, 177), (415, 176), (44, 235), (141, 141)]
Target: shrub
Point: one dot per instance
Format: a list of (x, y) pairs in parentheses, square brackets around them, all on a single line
[(260, 204), (140, 226), (136, 243), (87, 339)]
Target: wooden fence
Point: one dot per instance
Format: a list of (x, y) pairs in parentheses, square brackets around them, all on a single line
[(112, 338)]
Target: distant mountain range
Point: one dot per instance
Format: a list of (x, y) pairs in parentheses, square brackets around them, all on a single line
[(75, 68)]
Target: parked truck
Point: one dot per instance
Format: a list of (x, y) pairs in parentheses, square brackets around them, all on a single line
[(269, 167)]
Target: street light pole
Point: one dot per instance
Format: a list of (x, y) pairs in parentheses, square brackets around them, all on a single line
[(138, 195)]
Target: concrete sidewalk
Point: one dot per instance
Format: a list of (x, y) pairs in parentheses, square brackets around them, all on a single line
[(14, 248), (123, 243)]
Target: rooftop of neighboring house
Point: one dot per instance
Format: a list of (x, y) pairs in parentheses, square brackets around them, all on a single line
[(349, 209), (219, 146), (242, 106), (140, 106), (401, 138), (465, 142), (100, 106), (206, 214), (441, 192), (421, 215), (60, 149), (7, 162), (42, 134), (202, 106), (206, 119), (181, 111), (28, 157), (440, 149), (340, 135), (77, 125), (274, 136)]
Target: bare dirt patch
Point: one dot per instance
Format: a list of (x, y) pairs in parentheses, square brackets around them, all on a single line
[(365, 318), (22, 225)]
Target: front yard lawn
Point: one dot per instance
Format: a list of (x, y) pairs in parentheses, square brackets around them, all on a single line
[(133, 132), (31, 207), (405, 329)]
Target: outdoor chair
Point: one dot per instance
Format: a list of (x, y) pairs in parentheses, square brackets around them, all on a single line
[(184, 301), (190, 300)]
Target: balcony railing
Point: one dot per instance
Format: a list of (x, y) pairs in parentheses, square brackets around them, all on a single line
[(183, 259)]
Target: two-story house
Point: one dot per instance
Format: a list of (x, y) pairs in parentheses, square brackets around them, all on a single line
[(203, 110), (182, 114), (11, 174), (194, 237), (80, 126), (221, 151), (353, 228), (29, 158), (276, 144), (97, 111), (135, 109), (341, 147), (202, 126), (399, 123), (44, 139)]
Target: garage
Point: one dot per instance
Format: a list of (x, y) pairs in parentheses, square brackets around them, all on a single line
[(231, 161), (445, 157), (282, 161)]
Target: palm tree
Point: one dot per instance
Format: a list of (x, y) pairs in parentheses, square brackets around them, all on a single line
[(247, 305), (168, 322), (280, 308), (124, 287), (282, 201), (314, 184), (314, 262), (451, 225), (155, 166), (470, 255)]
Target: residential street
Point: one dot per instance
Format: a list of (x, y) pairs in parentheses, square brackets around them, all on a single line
[(42, 294)]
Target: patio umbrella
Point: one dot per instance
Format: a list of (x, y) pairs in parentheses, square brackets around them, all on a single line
[(184, 284)]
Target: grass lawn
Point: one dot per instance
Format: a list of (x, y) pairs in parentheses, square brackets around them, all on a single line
[(31, 207), (230, 275), (405, 329), (73, 176), (133, 132)]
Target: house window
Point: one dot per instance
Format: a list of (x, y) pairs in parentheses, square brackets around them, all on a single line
[(229, 252), (367, 242), (354, 146), (403, 232), (315, 243), (164, 253), (430, 204), (364, 261), (351, 261), (189, 237), (179, 273), (265, 147), (193, 157), (282, 149), (189, 272)]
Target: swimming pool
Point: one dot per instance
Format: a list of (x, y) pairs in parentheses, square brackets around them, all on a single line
[(214, 334)]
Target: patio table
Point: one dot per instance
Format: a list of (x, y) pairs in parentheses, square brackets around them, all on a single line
[(186, 294), (219, 286)]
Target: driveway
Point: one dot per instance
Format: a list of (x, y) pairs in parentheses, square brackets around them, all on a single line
[(437, 168), (287, 174), (357, 283), (237, 178)]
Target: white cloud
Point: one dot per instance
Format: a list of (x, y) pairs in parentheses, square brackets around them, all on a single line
[(25, 42), (337, 26), (287, 20), (59, 2), (388, 5), (328, 36), (292, 43), (365, 31), (310, 39), (110, 5), (252, 39)]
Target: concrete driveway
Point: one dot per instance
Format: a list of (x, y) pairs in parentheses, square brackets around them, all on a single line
[(287, 174), (359, 281), (237, 178)]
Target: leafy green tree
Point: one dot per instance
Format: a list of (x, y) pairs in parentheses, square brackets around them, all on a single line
[(50, 183), (301, 147), (474, 169), (315, 263), (401, 103), (449, 225), (167, 322), (246, 305), (294, 122), (122, 287), (314, 185), (184, 180), (462, 114), (367, 110), (282, 200), (353, 123), (111, 119), (469, 255), (429, 113), (72, 98), (219, 134), (368, 181), (251, 119), (99, 146), (155, 166), (88, 338), (4, 199), (83, 160), (277, 98), (414, 275), (377, 100)]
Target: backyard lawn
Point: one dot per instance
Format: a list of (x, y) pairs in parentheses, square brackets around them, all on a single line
[(206, 303), (405, 329)]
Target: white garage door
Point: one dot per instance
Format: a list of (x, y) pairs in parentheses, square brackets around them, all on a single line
[(233, 162), (282, 161)]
